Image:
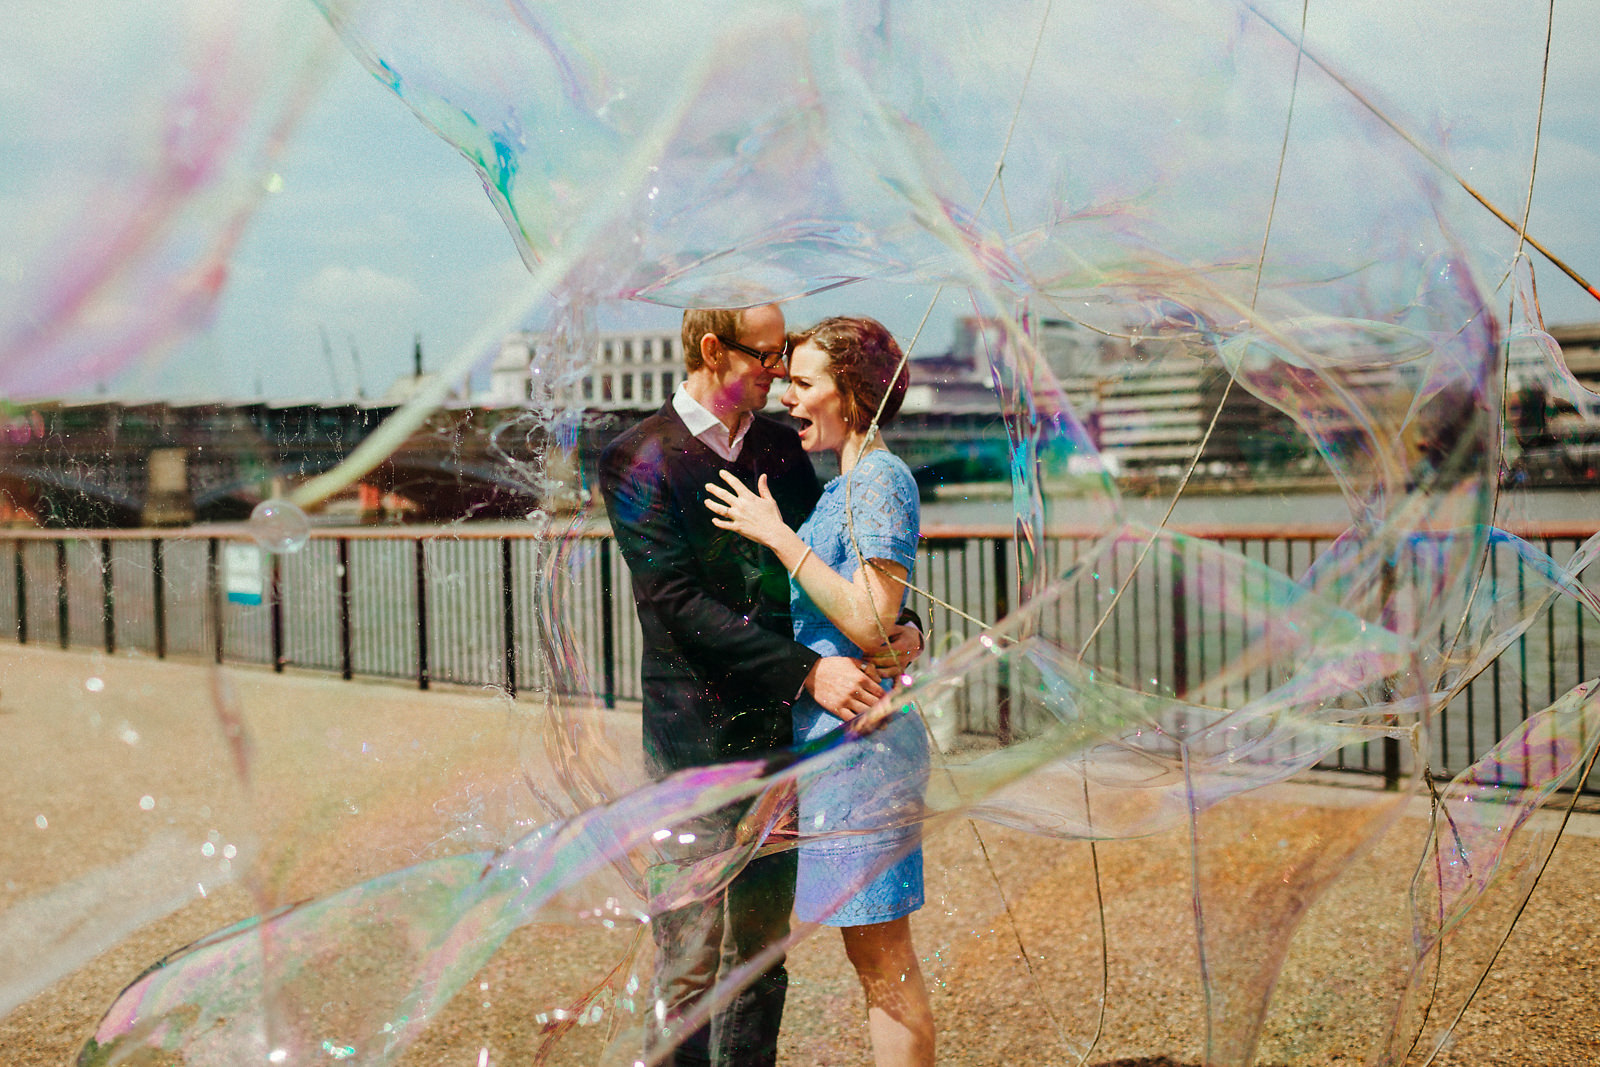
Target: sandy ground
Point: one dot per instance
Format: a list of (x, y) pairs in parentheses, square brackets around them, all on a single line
[(147, 804)]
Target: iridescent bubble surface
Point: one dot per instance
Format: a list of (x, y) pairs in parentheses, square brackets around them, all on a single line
[(1183, 178)]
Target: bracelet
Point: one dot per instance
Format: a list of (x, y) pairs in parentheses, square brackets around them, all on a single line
[(799, 563)]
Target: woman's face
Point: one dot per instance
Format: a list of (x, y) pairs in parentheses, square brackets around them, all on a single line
[(813, 399)]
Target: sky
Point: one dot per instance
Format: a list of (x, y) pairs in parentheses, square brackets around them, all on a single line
[(378, 234), (370, 231)]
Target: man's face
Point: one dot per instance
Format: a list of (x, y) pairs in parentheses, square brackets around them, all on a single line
[(744, 379)]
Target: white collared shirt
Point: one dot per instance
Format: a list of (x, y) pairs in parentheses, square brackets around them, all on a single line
[(707, 427)]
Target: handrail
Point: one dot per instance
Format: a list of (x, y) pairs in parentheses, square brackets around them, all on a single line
[(1555, 529)]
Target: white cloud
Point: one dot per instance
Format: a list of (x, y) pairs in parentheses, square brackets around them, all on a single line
[(352, 294)]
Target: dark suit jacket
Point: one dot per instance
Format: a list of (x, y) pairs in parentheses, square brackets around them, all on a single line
[(720, 663)]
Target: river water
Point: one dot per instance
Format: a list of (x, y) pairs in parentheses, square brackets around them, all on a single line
[(988, 504)]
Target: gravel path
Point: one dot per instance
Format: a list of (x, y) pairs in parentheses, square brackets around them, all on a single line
[(326, 783)]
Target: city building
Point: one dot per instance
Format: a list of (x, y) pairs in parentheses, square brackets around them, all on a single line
[(1580, 351), (1144, 402), (1556, 413), (630, 371)]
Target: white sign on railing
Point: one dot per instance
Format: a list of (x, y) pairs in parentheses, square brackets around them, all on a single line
[(241, 573)]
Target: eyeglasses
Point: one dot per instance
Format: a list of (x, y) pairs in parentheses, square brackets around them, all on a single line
[(770, 361)]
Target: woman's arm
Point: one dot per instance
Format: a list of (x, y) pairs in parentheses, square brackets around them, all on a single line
[(863, 607)]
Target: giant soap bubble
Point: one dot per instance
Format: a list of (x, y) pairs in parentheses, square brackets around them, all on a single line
[(1327, 207)]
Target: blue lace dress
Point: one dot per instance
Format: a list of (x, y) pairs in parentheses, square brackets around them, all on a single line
[(860, 851)]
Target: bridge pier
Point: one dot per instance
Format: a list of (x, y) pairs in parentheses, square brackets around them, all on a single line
[(167, 500)]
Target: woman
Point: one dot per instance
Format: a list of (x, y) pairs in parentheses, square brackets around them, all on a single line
[(865, 883)]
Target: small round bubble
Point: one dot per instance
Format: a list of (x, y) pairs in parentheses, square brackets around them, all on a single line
[(279, 526)]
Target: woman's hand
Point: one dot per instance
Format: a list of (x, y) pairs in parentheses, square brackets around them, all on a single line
[(874, 719), (748, 514)]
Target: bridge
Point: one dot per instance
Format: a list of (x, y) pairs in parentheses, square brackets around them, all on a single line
[(107, 464)]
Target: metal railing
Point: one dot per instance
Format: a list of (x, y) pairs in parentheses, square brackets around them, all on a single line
[(506, 608)]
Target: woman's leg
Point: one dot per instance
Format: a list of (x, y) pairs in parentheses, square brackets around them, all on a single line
[(898, 1015)]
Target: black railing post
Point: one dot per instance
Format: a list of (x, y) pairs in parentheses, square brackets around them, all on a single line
[(1180, 626), (1391, 761), (608, 641), (1494, 668), (108, 599), (214, 591), (275, 591), (158, 589), (1002, 608), (1549, 647), (508, 604), (345, 664), (22, 594), (422, 613), (1391, 744), (62, 622)]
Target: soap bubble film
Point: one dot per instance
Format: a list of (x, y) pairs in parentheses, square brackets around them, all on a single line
[(1319, 212), (279, 526)]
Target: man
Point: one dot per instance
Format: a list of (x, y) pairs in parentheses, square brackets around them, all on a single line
[(720, 665)]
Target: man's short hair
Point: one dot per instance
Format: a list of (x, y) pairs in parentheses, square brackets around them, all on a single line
[(697, 322)]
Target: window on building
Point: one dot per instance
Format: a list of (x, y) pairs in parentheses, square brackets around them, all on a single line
[(666, 383), (588, 388), (627, 351), (605, 388), (627, 387), (647, 349), (607, 352), (647, 388)]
